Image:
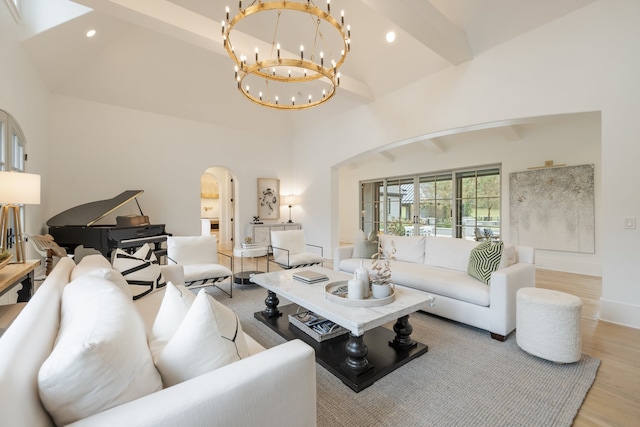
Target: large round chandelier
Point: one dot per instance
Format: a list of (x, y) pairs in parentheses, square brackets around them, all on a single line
[(296, 56)]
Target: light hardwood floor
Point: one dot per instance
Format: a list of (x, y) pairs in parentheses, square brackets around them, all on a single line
[(614, 398)]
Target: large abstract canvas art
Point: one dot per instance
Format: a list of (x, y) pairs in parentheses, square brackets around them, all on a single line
[(553, 208)]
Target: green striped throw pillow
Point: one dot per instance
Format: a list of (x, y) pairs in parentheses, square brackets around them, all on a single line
[(484, 260)]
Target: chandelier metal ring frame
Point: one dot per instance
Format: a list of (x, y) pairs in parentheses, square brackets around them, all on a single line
[(265, 68)]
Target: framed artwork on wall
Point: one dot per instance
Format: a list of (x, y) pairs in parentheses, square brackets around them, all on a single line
[(268, 198), (553, 208)]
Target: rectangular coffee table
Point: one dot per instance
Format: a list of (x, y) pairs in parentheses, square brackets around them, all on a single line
[(358, 359)]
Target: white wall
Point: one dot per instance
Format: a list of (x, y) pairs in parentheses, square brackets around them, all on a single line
[(586, 61), (101, 150), (24, 96)]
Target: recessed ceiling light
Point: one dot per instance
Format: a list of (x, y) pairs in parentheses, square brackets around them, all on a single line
[(91, 33), (391, 36)]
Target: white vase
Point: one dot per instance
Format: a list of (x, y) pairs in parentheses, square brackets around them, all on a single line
[(363, 274), (380, 291), (354, 289)]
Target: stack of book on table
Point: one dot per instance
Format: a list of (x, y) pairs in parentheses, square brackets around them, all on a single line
[(308, 276), (316, 326), (246, 245)]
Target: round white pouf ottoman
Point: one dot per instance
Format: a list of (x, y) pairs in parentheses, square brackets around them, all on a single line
[(548, 324)]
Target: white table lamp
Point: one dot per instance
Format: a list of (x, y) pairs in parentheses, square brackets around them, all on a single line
[(16, 189)]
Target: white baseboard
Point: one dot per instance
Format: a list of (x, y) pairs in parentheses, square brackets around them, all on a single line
[(588, 268), (620, 313)]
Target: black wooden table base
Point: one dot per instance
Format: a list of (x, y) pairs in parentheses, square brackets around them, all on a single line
[(244, 277), (357, 361)]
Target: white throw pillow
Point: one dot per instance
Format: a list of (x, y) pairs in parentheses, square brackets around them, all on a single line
[(174, 307), (509, 256), (141, 270), (88, 264), (114, 276), (365, 246), (447, 252), (408, 248), (100, 357), (209, 337)]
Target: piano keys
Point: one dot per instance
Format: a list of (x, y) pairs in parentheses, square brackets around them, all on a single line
[(77, 226)]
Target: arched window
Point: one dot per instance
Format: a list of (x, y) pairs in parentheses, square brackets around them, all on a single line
[(12, 159), (12, 144)]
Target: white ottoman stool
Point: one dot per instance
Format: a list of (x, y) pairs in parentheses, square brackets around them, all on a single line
[(548, 324)]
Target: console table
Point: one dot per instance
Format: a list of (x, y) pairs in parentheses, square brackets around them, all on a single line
[(18, 273), (261, 233)]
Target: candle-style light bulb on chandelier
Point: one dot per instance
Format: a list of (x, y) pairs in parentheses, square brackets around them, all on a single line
[(311, 73)]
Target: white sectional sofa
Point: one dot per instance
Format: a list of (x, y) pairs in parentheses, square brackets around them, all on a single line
[(438, 265), (270, 387)]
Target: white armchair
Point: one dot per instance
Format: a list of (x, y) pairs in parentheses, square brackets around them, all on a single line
[(199, 257), (289, 250)]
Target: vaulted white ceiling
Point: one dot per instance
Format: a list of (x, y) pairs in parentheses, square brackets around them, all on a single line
[(166, 56)]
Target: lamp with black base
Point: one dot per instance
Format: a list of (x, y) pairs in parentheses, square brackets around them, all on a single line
[(290, 200)]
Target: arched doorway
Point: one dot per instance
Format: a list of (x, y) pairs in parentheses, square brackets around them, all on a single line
[(217, 207)]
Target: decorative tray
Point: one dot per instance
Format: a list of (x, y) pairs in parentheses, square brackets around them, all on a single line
[(337, 292), (5, 261)]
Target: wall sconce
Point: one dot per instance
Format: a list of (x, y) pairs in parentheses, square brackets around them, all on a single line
[(16, 188), (290, 200)]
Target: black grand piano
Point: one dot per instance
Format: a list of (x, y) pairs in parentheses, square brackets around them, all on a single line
[(77, 226)]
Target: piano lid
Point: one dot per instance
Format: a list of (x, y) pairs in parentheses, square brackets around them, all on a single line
[(92, 212)]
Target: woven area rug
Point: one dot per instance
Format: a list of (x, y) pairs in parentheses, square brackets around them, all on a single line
[(465, 379)]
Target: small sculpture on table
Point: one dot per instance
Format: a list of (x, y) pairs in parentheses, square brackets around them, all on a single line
[(381, 276)]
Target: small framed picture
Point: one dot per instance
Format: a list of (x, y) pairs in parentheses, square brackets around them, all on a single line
[(268, 198)]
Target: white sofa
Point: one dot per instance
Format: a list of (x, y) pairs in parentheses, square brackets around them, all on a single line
[(271, 387), (438, 265)]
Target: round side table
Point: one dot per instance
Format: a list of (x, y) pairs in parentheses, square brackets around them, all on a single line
[(244, 277)]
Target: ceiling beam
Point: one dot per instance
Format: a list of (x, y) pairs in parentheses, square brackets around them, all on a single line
[(167, 18), (509, 133), (428, 25), (435, 143), (387, 156)]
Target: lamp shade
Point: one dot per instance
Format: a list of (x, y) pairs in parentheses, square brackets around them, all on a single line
[(19, 188), (289, 200)]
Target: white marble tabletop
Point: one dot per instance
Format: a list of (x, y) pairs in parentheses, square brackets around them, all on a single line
[(356, 319)]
